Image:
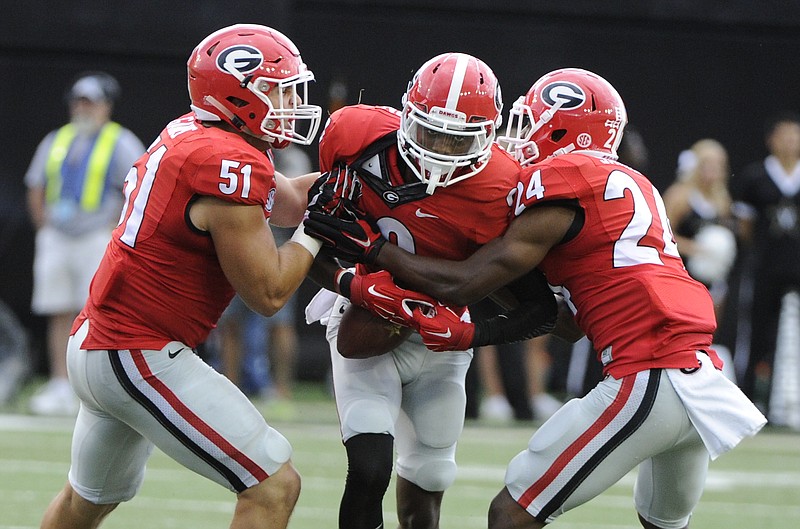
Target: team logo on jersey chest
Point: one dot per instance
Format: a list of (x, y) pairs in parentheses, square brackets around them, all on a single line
[(391, 196), (568, 94), (240, 58)]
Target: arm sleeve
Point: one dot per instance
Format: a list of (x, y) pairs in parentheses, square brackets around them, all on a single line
[(529, 320), (535, 315)]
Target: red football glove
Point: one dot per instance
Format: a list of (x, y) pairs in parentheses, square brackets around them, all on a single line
[(442, 328), (333, 190), (378, 293)]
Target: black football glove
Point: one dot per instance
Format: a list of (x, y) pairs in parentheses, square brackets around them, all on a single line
[(354, 240), (333, 191)]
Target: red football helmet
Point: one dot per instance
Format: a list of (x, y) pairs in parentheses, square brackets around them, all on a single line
[(564, 111), (450, 116), (232, 75)]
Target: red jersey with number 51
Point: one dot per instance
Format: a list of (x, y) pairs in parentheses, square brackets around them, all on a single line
[(160, 279), (622, 273)]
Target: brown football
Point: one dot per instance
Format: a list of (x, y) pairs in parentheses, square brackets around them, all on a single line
[(364, 335)]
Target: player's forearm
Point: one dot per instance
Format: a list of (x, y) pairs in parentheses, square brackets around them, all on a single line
[(323, 271), (447, 281), (280, 283), (291, 199)]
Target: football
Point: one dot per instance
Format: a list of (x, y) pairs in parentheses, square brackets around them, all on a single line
[(364, 335)]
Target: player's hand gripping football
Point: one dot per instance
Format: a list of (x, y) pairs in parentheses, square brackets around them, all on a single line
[(334, 191), (378, 293), (353, 239), (442, 327)]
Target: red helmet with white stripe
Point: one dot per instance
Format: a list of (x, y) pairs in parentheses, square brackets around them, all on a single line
[(253, 77), (566, 110), (450, 116)]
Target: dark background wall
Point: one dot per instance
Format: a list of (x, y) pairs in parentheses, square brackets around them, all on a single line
[(686, 68)]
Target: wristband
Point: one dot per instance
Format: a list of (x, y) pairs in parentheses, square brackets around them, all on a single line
[(306, 241), (342, 280)]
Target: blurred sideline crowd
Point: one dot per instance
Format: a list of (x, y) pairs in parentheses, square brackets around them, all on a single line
[(737, 229)]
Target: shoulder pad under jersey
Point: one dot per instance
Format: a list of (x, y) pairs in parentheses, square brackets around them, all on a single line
[(351, 130), (373, 170)]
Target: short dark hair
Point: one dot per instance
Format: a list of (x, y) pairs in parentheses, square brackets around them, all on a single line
[(783, 116)]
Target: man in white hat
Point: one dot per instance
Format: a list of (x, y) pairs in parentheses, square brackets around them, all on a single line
[(74, 197)]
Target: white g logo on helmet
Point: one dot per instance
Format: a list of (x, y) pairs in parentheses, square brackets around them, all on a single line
[(568, 94), (240, 58)]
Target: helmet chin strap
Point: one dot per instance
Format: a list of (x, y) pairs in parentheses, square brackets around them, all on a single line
[(433, 180), (526, 152), (205, 115), (564, 150), (546, 116), (521, 145), (234, 119)]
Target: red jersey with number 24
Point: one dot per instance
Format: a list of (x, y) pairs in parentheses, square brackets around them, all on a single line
[(452, 222), (160, 279), (622, 273)]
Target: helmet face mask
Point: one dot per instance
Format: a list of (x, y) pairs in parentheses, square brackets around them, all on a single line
[(566, 110), (450, 114), (254, 78), (285, 99), (519, 130)]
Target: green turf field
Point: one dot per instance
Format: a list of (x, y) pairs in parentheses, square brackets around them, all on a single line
[(755, 486)]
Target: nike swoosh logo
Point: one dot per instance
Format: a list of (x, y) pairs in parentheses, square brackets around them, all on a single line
[(421, 214), (425, 308), (441, 334), (173, 354), (375, 293), (361, 242)]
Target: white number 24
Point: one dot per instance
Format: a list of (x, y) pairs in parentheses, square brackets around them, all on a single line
[(627, 250)]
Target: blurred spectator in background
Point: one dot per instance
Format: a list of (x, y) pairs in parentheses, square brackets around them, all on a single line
[(699, 207), (14, 362), (539, 363), (514, 381), (633, 150), (337, 94), (767, 200), (496, 384), (75, 196)]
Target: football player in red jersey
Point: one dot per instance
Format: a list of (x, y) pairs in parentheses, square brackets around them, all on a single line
[(194, 230), (599, 232), (420, 169)]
